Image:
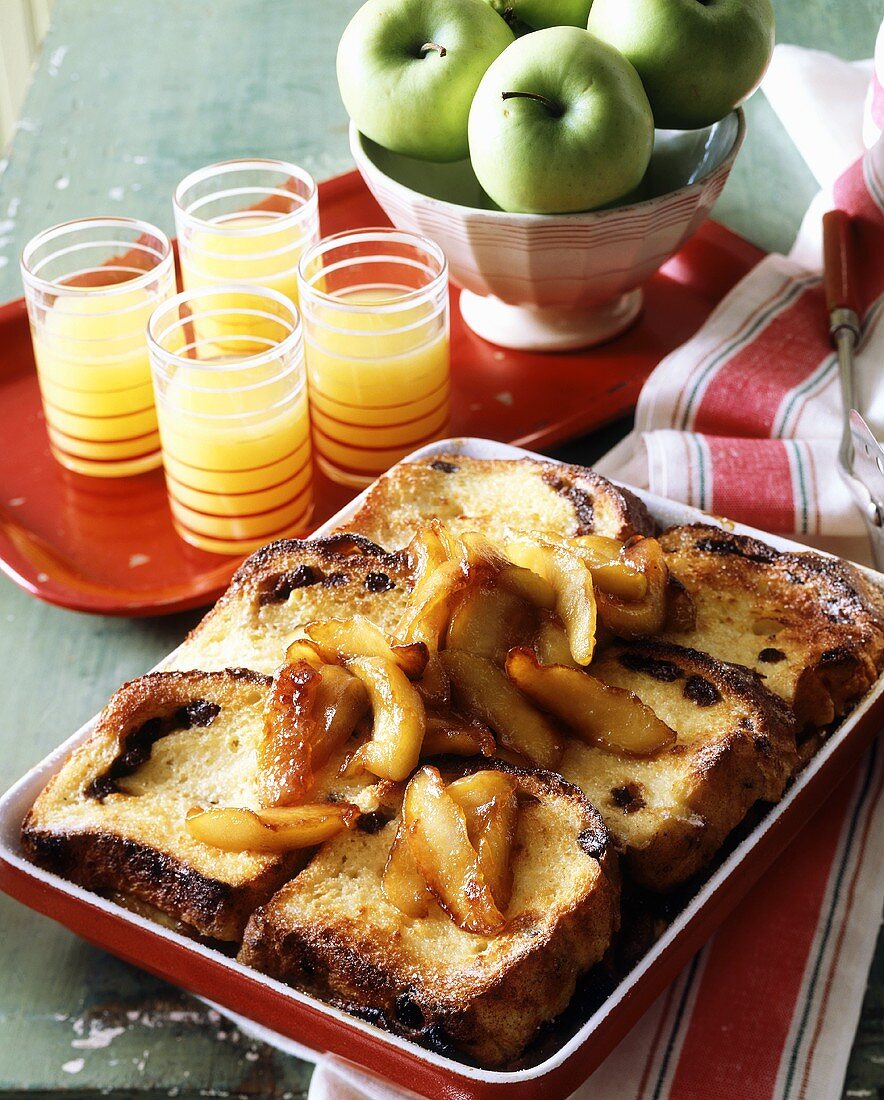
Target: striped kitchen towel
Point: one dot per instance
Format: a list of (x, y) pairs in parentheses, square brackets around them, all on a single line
[(744, 419)]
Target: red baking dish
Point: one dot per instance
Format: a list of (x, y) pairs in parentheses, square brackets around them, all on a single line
[(319, 1027)]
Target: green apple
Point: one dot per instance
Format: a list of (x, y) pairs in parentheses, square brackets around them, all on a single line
[(697, 58), (544, 13), (560, 123), (408, 69)]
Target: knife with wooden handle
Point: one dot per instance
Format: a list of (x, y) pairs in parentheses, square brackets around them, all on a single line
[(843, 308), (860, 455)]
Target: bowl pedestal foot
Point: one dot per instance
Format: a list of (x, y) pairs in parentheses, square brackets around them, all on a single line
[(551, 328)]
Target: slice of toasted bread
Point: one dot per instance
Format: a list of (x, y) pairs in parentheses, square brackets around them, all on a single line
[(670, 812), (287, 584), (113, 818), (333, 932), (493, 495), (810, 625)]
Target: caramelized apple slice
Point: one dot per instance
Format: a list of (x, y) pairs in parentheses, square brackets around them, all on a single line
[(445, 564), (285, 753), (488, 800), (309, 715), (616, 578), (398, 723), (341, 703), (597, 549), (282, 829), (551, 643), (436, 829), (489, 621), (340, 639), (637, 619), (403, 884), (476, 553), (431, 603), (599, 714), (485, 693), (563, 568), (527, 585), (433, 686), (303, 649), (426, 552), (610, 572), (447, 734)]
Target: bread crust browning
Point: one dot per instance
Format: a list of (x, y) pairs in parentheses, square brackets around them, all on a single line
[(812, 626), (286, 584), (98, 835), (494, 494), (735, 745), (489, 1009), (101, 862)]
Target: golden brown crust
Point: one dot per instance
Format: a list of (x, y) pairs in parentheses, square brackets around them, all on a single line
[(90, 828), (490, 1009), (600, 506), (286, 584), (492, 494), (735, 746), (102, 861), (811, 625), (327, 556)]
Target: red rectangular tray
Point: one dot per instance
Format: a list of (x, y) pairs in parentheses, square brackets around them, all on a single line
[(110, 547), (322, 1028)]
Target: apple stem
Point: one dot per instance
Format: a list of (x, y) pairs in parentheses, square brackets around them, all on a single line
[(434, 47), (554, 108)]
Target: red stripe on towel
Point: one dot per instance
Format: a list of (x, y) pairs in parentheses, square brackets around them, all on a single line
[(752, 482), (752, 983), (744, 396)]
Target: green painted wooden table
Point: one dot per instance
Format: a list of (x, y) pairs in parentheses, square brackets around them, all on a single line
[(127, 98)]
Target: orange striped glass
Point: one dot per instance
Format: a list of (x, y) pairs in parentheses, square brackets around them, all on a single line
[(375, 308), (246, 221), (90, 287), (228, 369)]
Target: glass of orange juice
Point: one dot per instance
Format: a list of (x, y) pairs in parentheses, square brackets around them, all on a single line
[(90, 287), (375, 309), (231, 394), (245, 221)]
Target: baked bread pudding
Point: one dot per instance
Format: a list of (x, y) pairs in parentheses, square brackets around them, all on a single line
[(411, 767)]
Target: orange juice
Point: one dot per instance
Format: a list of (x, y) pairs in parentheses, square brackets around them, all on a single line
[(238, 472), (375, 309), (91, 287), (94, 376), (235, 428), (379, 382), (245, 221), (269, 258)]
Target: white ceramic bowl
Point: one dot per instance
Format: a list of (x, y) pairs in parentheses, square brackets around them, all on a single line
[(555, 281)]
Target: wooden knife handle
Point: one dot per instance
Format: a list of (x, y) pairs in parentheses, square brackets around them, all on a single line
[(839, 262)]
